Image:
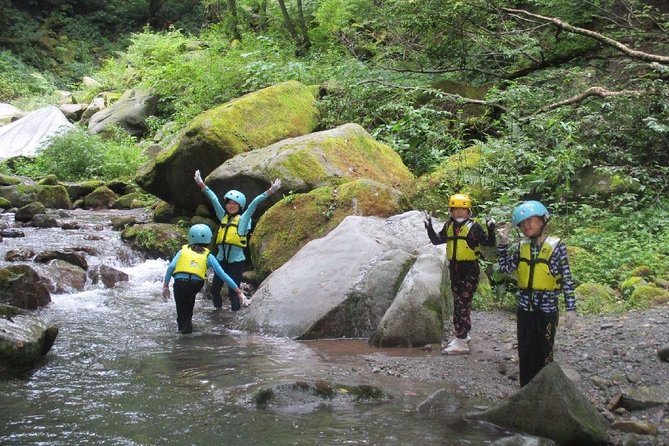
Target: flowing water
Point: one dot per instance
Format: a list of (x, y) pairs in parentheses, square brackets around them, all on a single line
[(119, 374)]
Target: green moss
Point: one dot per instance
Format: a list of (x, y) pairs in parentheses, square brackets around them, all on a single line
[(290, 224), (7, 180), (252, 121), (628, 286), (305, 166), (595, 298), (459, 173), (644, 296), (365, 392), (156, 239), (5, 204)]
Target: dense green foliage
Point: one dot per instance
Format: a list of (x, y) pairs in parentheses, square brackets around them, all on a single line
[(78, 155), (429, 78)]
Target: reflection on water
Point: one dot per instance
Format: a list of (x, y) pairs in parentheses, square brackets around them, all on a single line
[(119, 374)]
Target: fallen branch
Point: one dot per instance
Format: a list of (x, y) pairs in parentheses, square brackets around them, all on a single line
[(648, 57), (455, 97), (592, 91)]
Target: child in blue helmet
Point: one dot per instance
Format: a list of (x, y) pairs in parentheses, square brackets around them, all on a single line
[(543, 272), (231, 238), (189, 269)]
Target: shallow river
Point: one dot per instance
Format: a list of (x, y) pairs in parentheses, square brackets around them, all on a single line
[(119, 374)]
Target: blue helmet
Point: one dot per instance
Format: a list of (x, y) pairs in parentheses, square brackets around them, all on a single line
[(529, 209), (199, 235), (237, 197)]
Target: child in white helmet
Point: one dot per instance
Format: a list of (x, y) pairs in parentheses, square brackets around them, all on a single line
[(543, 272), (231, 238), (189, 269), (463, 237)]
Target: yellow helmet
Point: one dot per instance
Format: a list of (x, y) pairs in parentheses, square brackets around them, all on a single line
[(460, 201)]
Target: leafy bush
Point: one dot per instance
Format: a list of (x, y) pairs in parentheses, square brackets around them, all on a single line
[(78, 155), (17, 79)]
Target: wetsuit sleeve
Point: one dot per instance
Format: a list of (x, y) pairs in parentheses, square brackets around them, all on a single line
[(170, 268), (245, 218), (436, 239), (507, 263), (480, 237), (213, 199), (213, 263), (564, 270)]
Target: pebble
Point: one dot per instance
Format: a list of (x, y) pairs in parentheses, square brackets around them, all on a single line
[(605, 326), (663, 353)]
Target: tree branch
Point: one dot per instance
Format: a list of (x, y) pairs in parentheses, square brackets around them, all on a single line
[(592, 91), (455, 97), (648, 57)]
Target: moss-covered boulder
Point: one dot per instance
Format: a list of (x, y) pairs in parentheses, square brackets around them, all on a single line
[(27, 212), (5, 204), (290, 224), (332, 157), (247, 123), (603, 182), (80, 190), (8, 180), (459, 173), (53, 197), (49, 180), (595, 298), (134, 200), (155, 240), (645, 296), (100, 198)]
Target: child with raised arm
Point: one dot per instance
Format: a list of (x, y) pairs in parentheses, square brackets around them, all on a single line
[(463, 237), (232, 234)]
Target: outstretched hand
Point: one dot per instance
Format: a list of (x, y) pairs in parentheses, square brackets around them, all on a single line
[(427, 219), (569, 319), (276, 184), (198, 179), (166, 293), (503, 234)]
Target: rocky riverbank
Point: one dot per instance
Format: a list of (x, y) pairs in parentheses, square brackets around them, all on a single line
[(609, 357)]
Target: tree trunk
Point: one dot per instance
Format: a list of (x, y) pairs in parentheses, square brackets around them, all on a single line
[(289, 22), (233, 21), (306, 43)]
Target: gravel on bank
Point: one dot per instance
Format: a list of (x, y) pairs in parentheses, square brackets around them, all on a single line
[(605, 355)]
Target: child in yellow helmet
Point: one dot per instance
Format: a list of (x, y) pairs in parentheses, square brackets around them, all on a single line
[(189, 269), (463, 237), (543, 273)]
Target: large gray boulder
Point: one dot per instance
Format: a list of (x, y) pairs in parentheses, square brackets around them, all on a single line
[(250, 122), (550, 406), (342, 284), (24, 338), (416, 315), (129, 112)]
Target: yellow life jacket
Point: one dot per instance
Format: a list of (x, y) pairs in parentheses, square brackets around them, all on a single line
[(192, 262), (227, 232), (534, 274), (456, 246)]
